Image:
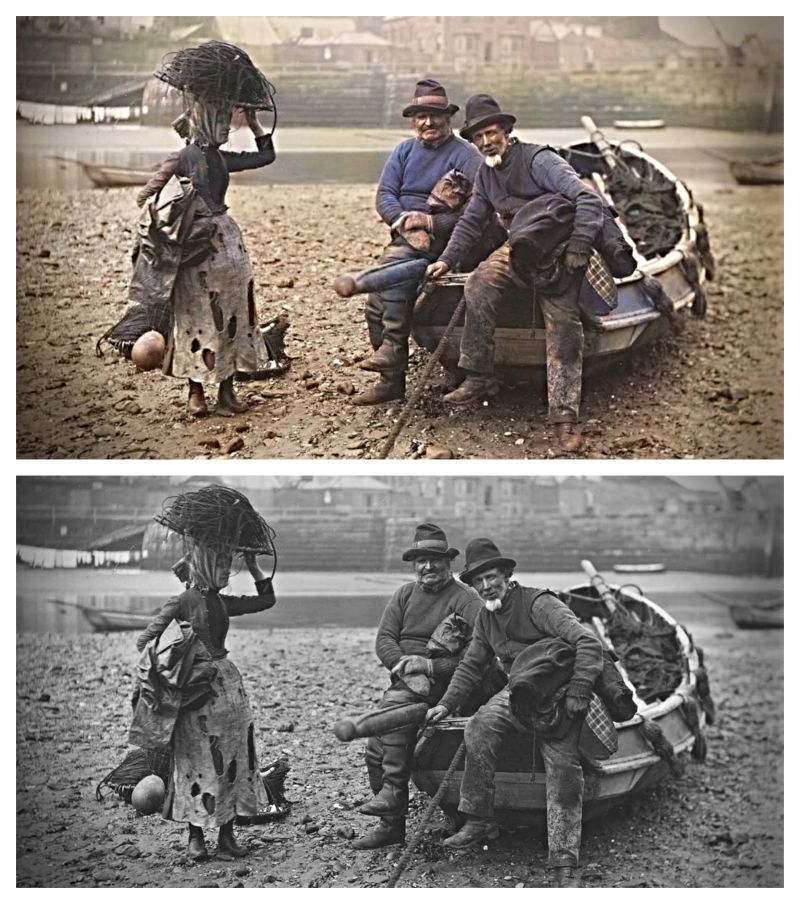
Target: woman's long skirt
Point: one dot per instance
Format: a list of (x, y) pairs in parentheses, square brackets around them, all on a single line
[(215, 330), (215, 773)]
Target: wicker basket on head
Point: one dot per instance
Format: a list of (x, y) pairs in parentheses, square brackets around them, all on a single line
[(220, 74)]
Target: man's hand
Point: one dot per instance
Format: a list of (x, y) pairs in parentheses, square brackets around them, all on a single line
[(416, 219), (436, 714), (575, 706), (575, 261), (436, 269), (410, 665)]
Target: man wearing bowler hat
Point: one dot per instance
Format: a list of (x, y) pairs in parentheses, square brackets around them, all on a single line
[(409, 176), (519, 620), (516, 173), (414, 612)]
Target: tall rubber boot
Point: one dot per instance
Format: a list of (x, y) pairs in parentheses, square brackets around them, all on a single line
[(373, 757), (392, 799), (373, 314), (391, 830), (392, 356)]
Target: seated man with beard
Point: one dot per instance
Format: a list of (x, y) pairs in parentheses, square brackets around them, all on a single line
[(518, 172), (413, 614), (514, 619)]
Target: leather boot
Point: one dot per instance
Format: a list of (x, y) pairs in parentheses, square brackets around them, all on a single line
[(473, 389), (472, 832), (389, 388), (569, 437), (227, 846), (197, 400), (567, 877), (227, 403), (197, 849), (391, 830)]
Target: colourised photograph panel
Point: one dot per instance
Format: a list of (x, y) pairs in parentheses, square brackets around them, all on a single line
[(435, 682), (399, 237)]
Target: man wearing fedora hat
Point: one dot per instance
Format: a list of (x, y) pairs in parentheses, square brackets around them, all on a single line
[(516, 173), (414, 612), (512, 619), (402, 201)]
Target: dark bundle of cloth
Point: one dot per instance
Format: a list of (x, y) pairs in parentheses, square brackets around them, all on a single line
[(175, 229), (175, 672), (538, 236), (274, 777)]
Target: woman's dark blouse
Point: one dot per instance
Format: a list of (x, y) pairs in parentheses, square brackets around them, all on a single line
[(209, 613), (219, 163)]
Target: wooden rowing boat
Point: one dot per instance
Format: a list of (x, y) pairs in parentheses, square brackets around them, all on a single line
[(639, 123), (639, 567), (646, 753), (757, 617), (757, 172), (110, 619), (666, 283), (115, 176)]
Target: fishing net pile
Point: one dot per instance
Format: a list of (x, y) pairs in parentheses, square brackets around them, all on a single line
[(650, 653), (219, 517), (220, 74), (648, 204)]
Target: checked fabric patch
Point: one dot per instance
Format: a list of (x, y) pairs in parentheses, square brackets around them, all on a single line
[(599, 277)]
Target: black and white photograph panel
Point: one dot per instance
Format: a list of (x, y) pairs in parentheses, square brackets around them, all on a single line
[(405, 237), (414, 682)]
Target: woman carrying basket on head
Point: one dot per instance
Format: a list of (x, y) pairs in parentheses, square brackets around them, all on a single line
[(214, 330), (215, 775)]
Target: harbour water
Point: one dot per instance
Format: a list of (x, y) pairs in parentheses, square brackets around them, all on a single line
[(46, 599), (49, 156)]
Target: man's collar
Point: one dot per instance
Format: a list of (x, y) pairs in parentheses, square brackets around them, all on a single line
[(432, 145), (512, 143)]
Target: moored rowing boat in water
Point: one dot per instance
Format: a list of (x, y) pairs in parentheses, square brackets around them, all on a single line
[(110, 619), (757, 172), (670, 717), (115, 176)]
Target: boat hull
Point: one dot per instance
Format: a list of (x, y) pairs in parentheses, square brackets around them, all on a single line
[(115, 177), (520, 781), (109, 620)]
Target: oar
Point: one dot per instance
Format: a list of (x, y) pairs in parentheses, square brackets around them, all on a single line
[(598, 582), (607, 595)]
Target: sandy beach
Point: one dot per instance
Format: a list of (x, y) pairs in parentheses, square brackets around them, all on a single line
[(718, 826), (713, 391)]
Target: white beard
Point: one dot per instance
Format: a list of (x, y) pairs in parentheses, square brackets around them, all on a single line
[(493, 160), (493, 605)]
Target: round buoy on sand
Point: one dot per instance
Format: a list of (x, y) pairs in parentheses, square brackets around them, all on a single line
[(148, 795), (148, 351)]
